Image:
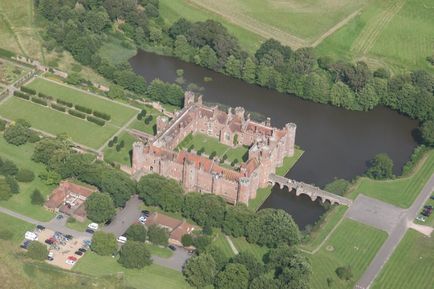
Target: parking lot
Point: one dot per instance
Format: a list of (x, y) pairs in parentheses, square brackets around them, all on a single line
[(60, 247)]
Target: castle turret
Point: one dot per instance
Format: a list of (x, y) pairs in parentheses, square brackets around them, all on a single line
[(138, 156), (244, 190), (188, 98), (290, 138)]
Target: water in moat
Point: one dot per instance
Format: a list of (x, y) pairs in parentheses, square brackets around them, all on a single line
[(338, 143)]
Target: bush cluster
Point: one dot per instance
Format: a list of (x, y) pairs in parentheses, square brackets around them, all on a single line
[(43, 95), (96, 120), (76, 113), (28, 90), (39, 101), (58, 107), (20, 94), (102, 115), (83, 109), (65, 103)]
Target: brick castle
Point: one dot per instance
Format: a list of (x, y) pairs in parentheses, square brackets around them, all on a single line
[(267, 148)]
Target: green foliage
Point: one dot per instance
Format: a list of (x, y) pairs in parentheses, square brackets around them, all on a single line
[(5, 190), (234, 276), (100, 207), (37, 198), (76, 113), (17, 134), (202, 242), (236, 220), (200, 271), (28, 90), (187, 240), (338, 187), (25, 176), (254, 267), (427, 132), (37, 251), (102, 115), (83, 109), (39, 101), (13, 185), (2, 124), (104, 244), (344, 273), (21, 95), (207, 209), (381, 167), (7, 168), (58, 107), (165, 92), (415, 157), (95, 120), (264, 281), (65, 103), (136, 232), (116, 92), (158, 235), (134, 255)]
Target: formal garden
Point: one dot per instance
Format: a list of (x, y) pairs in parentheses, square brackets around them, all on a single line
[(10, 72)]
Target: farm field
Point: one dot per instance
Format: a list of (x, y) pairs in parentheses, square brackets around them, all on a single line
[(401, 191), (411, 264), (352, 244), (20, 202), (119, 112), (150, 277), (55, 122)]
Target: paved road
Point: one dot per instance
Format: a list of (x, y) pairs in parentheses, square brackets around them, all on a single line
[(395, 237), (126, 217)]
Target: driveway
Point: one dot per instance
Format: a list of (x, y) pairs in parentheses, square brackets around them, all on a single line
[(125, 217), (175, 262)]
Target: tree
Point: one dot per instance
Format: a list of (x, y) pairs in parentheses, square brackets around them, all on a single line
[(5, 190), (202, 242), (342, 96), (37, 251), (136, 232), (338, 186), (344, 273), (8, 168), (234, 276), (427, 132), (253, 266), (182, 49), (100, 207), (37, 198), (381, 167), (25, 176), (368, 97), (218, 255), (249, 71), (158, 235), (13, 185), (233, 66), (17, 134), (48, 147), (104, 244), (199, 271), (264, 282), (116, 91), (208, 57), (236, 219), (271, 227), (187, 240), (317, 87), (134, 255), (207, 209)]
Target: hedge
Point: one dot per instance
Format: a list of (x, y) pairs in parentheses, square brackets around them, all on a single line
[(43, 95), (102, 115), (21, 94), (39, 101), (28, 90), (96, 120), (58, 107), (83, 109), (65, 103), (76, 113)]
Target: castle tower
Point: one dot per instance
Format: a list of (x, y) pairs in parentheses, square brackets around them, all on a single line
[(138, 156), (244, 190), (290, 138), (188, 98)]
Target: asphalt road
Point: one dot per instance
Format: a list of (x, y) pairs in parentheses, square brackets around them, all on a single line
[(395, 237)]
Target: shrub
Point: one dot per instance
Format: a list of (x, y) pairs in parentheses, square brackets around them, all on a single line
[(83, 109), (21, 95), (13, 185), (110, 144), (344, 273), (8, 168), (39, 101), (28, 90), (2, 124), (58, 107), (187, 240), (96, 120), (102, 115), (104, 244), (5, 191), (43, 95), (76, 113), (25, 176), (66, 103), (17, 134), (37, 251), (37, 198)]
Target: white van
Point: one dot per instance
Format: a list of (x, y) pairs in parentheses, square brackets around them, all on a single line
[(122, 239), (93, 226), (31, 236)]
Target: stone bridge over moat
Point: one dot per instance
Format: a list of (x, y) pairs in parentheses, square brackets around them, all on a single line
[(312, 191)]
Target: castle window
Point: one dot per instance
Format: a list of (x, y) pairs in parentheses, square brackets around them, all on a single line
[(227, 136)]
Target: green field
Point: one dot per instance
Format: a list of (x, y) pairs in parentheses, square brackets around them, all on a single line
[(351, 244), (150, 277), (210, 145), (123, 155), (243, 246), (151, 126), (55, 122), (411, 265), (221, 243), (119, 112), (20, 202), (401, 191)]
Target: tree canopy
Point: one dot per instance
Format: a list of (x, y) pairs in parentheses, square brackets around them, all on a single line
[(100, 207), (134, 254), (104, 244), (381, 167)]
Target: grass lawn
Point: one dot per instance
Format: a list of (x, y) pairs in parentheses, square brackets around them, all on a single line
[(263, 193), (119, 113), (401, 191), (79, 226), (351, 244), (243, 246), (221, 243), (150, 277), (123, 156), (209, 145), (15, 226), (160, 252), (56, 122), (151, 126), (20, 202), (115, 52), (411, 265)]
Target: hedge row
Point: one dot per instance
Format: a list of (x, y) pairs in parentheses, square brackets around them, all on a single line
[(102, 115), (58, 107), (39, 101), (28, 90), (21, 94), (65, 103), (96, 120), (83, 109), (76, 113), (43, 95)]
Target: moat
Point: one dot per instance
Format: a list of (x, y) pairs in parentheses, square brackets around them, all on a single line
[(337, 143)]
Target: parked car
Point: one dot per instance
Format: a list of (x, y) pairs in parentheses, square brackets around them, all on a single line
[(69, 237), (142, 219), (40, 227), (432, 197), (25, 244), (50, 241), (426, 213), (93, 226), (31, 236), (50, 256), (79, 253), (59, 217), (90, 231), (122, 239), (146, 213), (82, 250), (71, 260), (428, 207), (421, 218), (172, 247)]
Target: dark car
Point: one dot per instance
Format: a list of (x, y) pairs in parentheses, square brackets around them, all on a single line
[(145, 213), (50, 241), (432, 197), (26, 244), (90, 231), (40, 227), (426, 213), (82, 250), (429, 207), (59, 217), (50, 258), (79, 253), (171, 247), (68, 237)]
